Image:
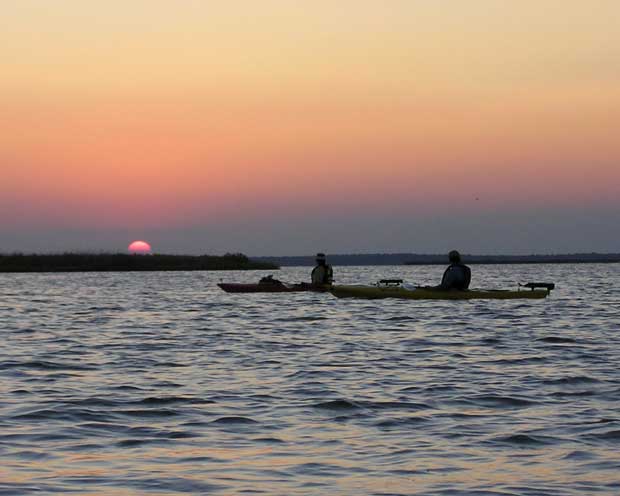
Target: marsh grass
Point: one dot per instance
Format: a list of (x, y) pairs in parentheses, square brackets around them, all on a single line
[(105, 262)]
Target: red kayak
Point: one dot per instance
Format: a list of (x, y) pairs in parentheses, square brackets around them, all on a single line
[(232, 287), (270, 286)]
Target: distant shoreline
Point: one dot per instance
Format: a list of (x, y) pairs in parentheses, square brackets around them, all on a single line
[(518, 262), (120, 262), (442, 259)]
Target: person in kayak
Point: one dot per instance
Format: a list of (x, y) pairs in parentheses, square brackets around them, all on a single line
[(322, 273), (457, 275)]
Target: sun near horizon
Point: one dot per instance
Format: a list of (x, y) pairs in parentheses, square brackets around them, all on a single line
[(139, 248)]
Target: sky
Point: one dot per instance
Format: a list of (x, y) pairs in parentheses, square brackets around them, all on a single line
[(281, 127)]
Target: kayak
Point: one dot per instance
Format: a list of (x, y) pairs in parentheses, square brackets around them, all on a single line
[(270, 287), (421, 293)]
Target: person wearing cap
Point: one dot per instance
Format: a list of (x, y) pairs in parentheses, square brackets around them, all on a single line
[(322, 273), (457, 275)]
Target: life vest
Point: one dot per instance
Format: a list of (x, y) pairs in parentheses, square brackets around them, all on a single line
[(326, 277), (461, 281)]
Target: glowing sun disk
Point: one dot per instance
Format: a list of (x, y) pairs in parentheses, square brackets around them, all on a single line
[(139, 247)]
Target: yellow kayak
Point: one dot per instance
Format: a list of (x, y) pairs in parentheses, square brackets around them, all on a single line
[(375, 292)]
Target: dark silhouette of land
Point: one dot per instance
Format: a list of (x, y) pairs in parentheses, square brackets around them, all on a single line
[(79, 262), (442, 259)]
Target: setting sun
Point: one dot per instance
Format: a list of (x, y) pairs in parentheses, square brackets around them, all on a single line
[(139, 247)]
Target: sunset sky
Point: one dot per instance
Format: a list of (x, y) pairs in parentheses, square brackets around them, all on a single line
[(282, 127)]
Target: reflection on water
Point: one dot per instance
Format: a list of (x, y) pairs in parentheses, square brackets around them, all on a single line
[(159, 382)]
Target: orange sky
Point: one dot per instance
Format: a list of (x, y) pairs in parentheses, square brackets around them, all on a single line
[(156, 114)]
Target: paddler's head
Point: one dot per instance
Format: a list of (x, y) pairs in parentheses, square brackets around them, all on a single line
[(454, 256), (320, 258)]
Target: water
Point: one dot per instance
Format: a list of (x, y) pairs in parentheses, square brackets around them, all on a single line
[(142, 383)]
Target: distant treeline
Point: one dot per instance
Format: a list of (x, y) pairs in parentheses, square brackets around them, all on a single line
[(78, 262), (416, 259), (573, 258)]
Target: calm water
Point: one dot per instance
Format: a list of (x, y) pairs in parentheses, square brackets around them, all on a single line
[(142, 383)]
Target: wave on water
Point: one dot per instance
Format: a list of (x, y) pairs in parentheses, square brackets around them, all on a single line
[(498, 401), (569, 380), (340, 404), (234, 421), (557, 340), (526, 440), (43, 365)]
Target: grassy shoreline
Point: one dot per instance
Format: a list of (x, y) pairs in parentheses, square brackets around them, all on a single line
[(120, 262)]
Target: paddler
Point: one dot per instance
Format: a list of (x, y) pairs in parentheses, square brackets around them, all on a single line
[(457, 275), (322, 274)]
